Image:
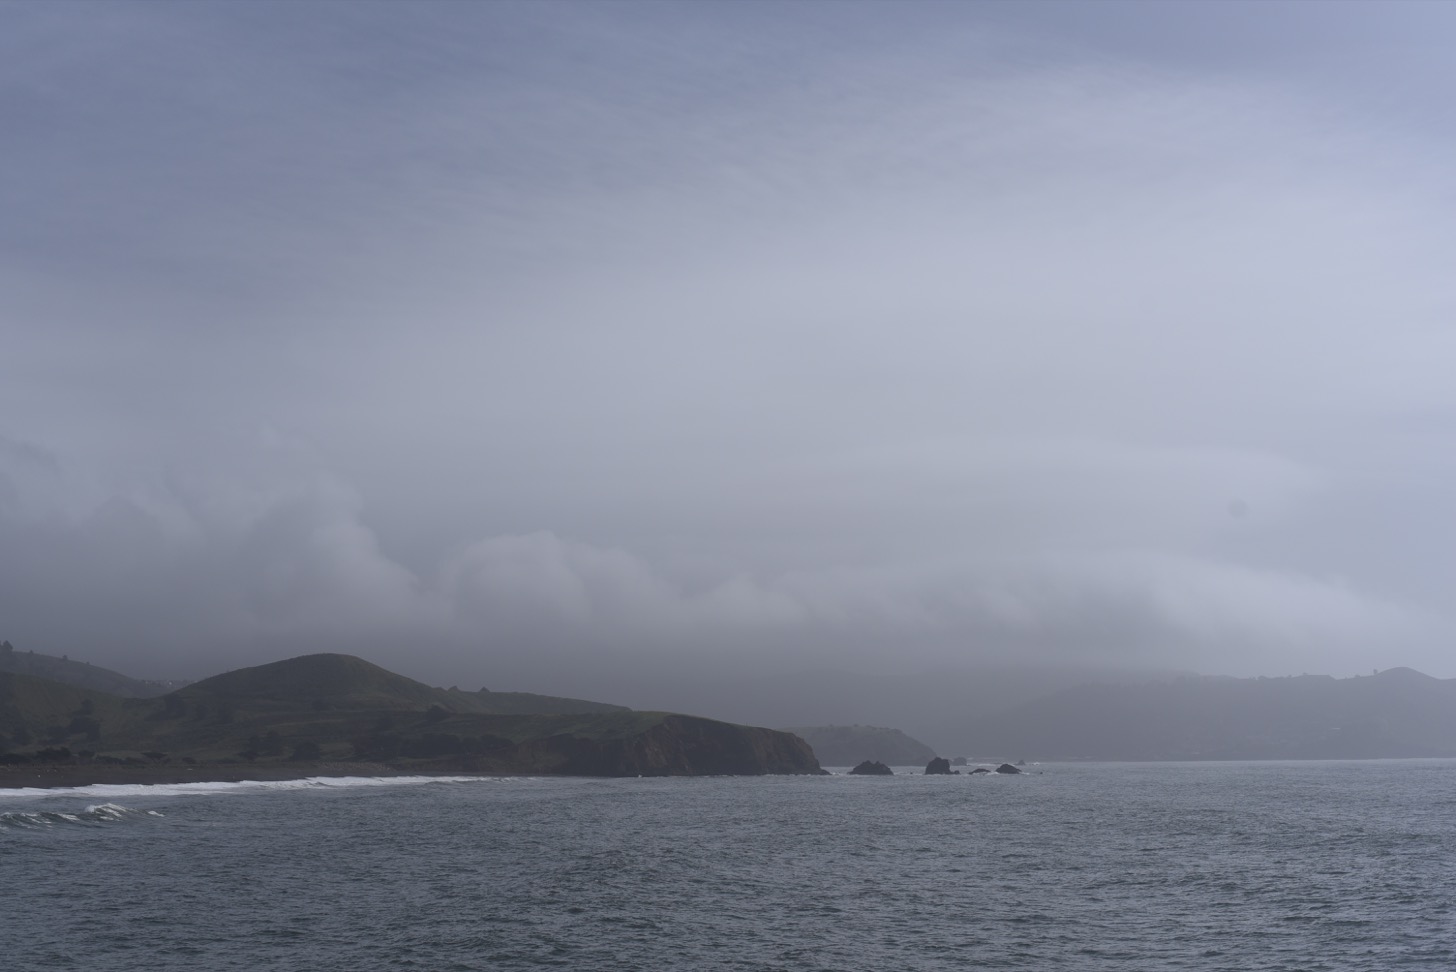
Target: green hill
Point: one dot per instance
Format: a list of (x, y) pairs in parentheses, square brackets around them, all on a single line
[(332, 681), (40, 712), (315, 681), (80, 674), (527, 703), (341, 709)]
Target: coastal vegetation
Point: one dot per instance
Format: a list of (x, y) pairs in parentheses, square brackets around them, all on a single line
[(344, 710)]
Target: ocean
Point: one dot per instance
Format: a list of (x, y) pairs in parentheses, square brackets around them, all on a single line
[(1208, 866)]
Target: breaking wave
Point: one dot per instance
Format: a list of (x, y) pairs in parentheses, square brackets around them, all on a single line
[(121, 790), (100, 813)]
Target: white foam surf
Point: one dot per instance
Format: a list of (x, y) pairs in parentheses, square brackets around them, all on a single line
[(112, 791), (95, 814)]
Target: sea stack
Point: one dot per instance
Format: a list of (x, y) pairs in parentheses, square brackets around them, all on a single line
[(870, 768)]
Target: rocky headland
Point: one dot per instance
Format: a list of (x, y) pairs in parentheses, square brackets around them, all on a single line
[(290, 719)]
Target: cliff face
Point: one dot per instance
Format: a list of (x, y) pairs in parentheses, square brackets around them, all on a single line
[(339, 708), (678, 745)]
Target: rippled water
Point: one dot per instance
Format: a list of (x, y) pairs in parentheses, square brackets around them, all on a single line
[(1294, 866)]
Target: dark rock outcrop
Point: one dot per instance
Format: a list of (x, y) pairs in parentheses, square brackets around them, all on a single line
[(939, 766), (870, 768), (1007, 768), (979, 769)]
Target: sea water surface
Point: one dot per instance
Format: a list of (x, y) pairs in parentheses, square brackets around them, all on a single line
[(1210, 866)]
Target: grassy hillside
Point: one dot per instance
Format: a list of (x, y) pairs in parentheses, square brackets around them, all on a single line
[(315, 681), (333, 681), (342, 707), (37, 713), (338, 708), (327, 700), (80, 674), (526, 703)]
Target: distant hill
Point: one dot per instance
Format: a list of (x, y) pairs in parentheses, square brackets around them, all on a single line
[(80, 674), (318, 681), (934, 706), (1395, 713), (344, 710), (331, 681), (852, 745)]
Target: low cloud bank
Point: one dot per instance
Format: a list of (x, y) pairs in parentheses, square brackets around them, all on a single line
[(198, 574)]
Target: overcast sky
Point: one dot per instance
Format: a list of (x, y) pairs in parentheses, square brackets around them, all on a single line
[(513, 344)]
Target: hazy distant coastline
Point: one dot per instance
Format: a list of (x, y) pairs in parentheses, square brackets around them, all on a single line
[(273, 719)]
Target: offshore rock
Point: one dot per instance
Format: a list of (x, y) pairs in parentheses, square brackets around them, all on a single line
[(870, 768), (1007, 768), (939, 766)]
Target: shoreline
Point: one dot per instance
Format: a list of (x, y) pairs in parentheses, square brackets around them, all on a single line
[(56, 777)]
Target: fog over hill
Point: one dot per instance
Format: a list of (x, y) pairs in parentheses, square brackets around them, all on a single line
[(652, 352), (1001, 714), (930, 705), (1395, 713), (852, 745)]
